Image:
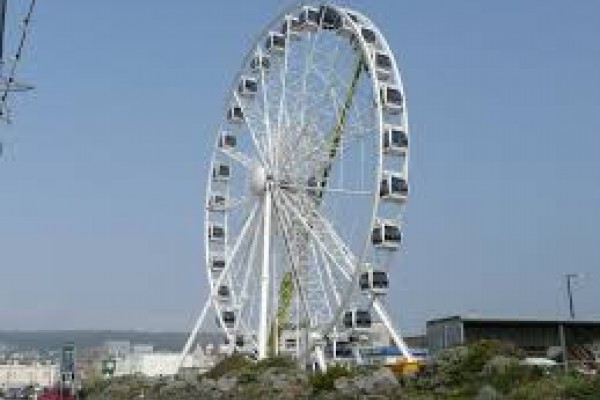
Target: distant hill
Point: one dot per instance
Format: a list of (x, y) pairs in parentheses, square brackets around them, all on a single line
[(54, 340)]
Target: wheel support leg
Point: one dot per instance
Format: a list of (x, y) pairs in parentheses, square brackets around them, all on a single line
[(193, 334), (387, 322), (263, 332)]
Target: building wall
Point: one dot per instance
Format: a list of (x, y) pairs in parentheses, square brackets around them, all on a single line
[(532, 337), (152, 364), (13, 374), (536, 337), (444, 334)]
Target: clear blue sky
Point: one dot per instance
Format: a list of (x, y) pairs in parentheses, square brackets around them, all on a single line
[(102, 182)]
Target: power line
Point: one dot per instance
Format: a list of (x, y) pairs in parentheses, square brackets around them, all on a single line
[(9, 81)]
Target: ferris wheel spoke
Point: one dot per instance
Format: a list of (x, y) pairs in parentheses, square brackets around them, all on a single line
[(309, 69), (324, 263), (229, 269), (280, 109), (247, 253), (239, 157), (251, 262), (328, 233), (242, 236), (313, 189), (286, 225), (322, 236), (309, 59), (238, 203), (259, 148), (320, 154), (265, 109), (333, 277), (319, 268)]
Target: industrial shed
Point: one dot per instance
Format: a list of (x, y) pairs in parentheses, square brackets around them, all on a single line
[(579, 339)]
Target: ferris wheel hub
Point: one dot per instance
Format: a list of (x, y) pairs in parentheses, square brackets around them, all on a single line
[(258, 180)]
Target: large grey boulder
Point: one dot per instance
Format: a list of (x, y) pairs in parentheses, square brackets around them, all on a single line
[(344, 386), (380, 381), (487, 392), (384, 380), (226, 383)]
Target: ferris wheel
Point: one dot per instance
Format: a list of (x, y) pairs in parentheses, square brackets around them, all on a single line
[(306, 190)]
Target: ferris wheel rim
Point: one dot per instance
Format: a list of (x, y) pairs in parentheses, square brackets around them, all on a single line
[(379, 172)]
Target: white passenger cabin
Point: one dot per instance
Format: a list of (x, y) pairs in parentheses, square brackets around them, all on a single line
[(228, 317), (391, 98), (260, 62), (291, 27), (393, 187), (239, 341), (235, 114), (374, 281), (330, 18), (309, 18), (395, 140), (227, 140), (248, 86), (221, 172), (275, 42), (217, 262), (346, 28), (383, 65), (217, 202), (369, 36), (386, 235), (223, 293), (357, 320), (216, 233)]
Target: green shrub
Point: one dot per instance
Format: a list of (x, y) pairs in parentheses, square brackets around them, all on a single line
[(325, 381), (579, 387), (235, 362)]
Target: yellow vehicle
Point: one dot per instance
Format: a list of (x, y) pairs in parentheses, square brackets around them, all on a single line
[(407, 366)]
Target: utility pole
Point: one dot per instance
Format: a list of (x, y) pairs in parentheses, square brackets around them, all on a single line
[(569, 277)]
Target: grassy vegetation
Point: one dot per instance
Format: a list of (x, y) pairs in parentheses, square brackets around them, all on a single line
[(487, 370)]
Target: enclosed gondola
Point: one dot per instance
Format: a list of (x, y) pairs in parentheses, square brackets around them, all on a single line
[(239, 341), (228, 317), (330, 18), (291, 27), (395, 140), (275, 42), (248, 86), (391, 99), (374, 281), (357, 319), (216, 233), (223, 292), (217, 202), (386, 235), (368, 35), (217, 263), (221, 172), (393, 187), (235, 114), (227, 140), (309, 18), (260, 62), (346, 28), (383, 65)]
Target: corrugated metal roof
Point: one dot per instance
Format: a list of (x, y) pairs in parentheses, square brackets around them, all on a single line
[(520, 320)]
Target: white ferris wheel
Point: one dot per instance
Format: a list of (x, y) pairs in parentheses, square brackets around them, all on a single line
[(306, 190)]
